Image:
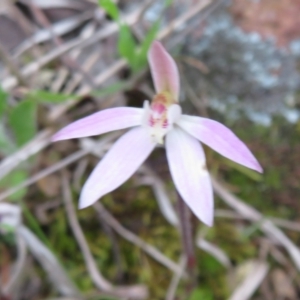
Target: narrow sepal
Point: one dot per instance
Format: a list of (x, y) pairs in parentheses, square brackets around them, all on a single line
[(119, 163), (164, 70), (101, 122), (221, 139), (187, 165)]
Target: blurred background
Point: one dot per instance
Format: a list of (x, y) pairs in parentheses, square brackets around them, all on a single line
[(61, 60)]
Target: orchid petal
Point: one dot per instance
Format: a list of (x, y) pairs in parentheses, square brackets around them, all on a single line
[(221, 139), (187, 165), (164, 70), (120, 162), (101, 122)]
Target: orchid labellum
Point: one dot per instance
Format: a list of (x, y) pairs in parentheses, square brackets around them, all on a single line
[(160, 122)]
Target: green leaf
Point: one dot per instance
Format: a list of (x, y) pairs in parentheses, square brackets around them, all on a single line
[(111, 9), (127, 44), (22, 120), (3, 102), (14, 179), (141, 60), (250, 230), (48, 97)]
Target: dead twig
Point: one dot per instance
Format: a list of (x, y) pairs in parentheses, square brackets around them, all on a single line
[(96, 276), (19, 266), (222, 213), (161, 195), (49, 263), (131, 237), (78, 173), (176, 279), (69, 62), (59, 110), (41, 141), (196, 63), (136, 292), (30, 69), (214, 251), (61, 164), (59, 28)]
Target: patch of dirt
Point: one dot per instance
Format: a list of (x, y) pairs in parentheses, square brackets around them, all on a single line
[(277, 19)]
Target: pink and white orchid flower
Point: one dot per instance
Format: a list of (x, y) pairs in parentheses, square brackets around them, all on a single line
[(157, 123)]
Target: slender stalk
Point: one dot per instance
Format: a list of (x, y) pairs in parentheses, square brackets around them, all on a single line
[(184, 215)]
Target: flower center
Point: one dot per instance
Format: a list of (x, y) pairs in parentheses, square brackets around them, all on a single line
[(161, 115)]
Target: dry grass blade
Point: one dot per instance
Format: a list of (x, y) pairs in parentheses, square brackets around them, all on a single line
[(223, 213), (30, 69), (18, 268), (59, 28), (214, 251), (266, 225), (283, 284), (59, 110), (177, 23), (135, 292), (49, 262), (176, 279), (161, 195), (61, 164), (253, 280), (96, 276)]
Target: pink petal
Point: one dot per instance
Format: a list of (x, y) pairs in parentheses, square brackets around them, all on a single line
[(120, 162), (164, 70), (187, 165), (101, 122), (221, 139)]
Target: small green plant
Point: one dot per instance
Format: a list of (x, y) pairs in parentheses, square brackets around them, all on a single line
[(128, 48)]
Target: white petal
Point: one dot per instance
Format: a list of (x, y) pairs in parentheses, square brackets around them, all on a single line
[(219, 138), (101, 122), (187, 165), (120, 162)]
